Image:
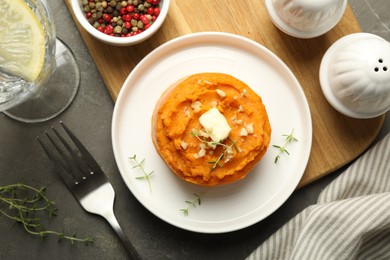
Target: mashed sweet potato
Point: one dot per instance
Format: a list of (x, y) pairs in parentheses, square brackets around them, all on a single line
[(185, 145)]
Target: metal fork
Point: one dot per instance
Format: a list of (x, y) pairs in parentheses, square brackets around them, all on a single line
[(84, 178)]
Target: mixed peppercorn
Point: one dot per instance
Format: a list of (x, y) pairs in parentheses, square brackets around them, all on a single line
[(121, 18)]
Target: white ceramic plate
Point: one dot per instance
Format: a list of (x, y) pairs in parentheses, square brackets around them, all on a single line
[(234, 206)]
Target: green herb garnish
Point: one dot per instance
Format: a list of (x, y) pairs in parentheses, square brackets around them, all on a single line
[(146, 176), (227, 151), (25, 204), (282, 149), (191, 204)]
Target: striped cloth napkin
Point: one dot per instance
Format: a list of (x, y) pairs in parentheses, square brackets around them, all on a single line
[(351, 219)]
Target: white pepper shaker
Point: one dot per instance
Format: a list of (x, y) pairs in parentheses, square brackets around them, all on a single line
[(355, 75), (305, 18)]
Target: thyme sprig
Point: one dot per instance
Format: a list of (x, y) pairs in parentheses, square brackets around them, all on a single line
[(25, 205), (282, 149), (145, 176), (227, 151), (192, 204)]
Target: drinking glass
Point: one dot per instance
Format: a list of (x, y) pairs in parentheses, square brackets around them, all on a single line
[(55, 87)]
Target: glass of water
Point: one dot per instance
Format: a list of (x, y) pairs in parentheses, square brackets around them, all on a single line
[(39, 76)]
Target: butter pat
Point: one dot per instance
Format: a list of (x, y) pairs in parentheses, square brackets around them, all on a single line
[(215, 125)]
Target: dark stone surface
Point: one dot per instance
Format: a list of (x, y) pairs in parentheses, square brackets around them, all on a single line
[(21, 159)]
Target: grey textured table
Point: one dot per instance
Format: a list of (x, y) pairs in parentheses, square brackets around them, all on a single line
[(21, 159)]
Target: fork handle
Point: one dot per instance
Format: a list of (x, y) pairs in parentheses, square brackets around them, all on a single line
[(132, 252)]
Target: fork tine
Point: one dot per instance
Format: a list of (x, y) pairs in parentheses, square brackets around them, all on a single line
[(71, 158), (58, 163), (67, 156), (88, 158), (76, 156)]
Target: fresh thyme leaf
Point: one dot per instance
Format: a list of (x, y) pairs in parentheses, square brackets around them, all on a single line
[(199, 201), (191, 204), (185, 211), (234, 143), (282, 149), (25, 205), (276, 159), (146, 176)]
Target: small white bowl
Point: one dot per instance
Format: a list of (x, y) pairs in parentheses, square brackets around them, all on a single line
[(120, 41), (355, 75), (305, 18)]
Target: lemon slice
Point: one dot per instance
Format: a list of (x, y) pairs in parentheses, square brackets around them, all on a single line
[(22, 40)]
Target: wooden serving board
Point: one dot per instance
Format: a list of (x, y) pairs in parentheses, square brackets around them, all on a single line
[(337, 139)]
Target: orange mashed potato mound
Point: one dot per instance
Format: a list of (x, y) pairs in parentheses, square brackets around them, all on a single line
[(186, 147)]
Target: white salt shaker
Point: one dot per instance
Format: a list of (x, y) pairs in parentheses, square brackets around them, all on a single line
[(305, 18), (355, 75)]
